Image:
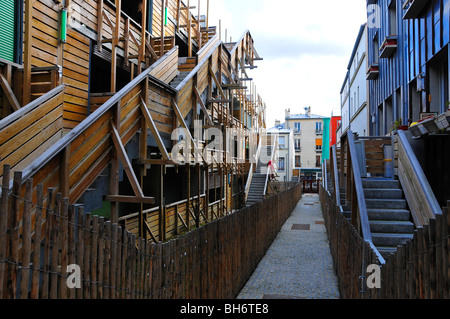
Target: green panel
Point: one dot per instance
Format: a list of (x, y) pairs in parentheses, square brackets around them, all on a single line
[(7, 29), (326, 140)]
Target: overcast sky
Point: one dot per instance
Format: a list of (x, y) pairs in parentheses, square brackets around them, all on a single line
[(306, 46)]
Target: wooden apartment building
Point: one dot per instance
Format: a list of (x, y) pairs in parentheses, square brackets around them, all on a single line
[(91, 93)]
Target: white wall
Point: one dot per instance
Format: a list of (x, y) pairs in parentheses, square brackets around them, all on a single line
[(354, 110)]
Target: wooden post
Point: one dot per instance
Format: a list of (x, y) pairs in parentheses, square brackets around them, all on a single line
[(143, 36), (4, 204), (114, 44), (64, 172), (162, 211), (63, 237), (206, 204), (37, 242), (199, 29), (197, 213), (114, 173), (28, 38), (99, 25), (163, 27), (188, 203), (189, 30)]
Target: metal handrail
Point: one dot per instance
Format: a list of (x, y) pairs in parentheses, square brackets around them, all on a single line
[(268, 170), (337, 191), (250, 174), (360, 197)]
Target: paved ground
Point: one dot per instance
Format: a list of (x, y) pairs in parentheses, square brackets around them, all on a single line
[(298, 265)]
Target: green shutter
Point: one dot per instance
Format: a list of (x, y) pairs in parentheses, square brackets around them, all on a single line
[(7, 29)]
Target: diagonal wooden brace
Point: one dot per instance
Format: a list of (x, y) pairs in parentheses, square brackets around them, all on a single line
[(154, 129)]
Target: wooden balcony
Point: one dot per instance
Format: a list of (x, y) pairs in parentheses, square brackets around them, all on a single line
[(372, 72), (414, 8), (388, 47)]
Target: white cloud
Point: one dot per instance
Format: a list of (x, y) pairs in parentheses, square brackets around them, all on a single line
[(305, 44)]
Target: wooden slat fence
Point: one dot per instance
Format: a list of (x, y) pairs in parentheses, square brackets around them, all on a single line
[(418, 270), (213, 261)]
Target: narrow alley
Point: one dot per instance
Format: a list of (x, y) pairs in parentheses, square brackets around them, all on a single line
[(298, 265)]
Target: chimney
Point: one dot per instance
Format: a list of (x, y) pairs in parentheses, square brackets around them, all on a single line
[(288, 113), (277, 122), (309, 111)]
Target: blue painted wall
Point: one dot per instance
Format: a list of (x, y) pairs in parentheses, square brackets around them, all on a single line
[(422, 43)]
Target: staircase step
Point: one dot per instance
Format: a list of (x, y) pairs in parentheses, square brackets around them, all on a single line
[(388, 214), (386, 203), (383, 193), (385, 226), (381, 183), (386, 251), (390, 239)]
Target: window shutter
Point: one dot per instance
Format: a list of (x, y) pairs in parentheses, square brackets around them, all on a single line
[(7, 29)]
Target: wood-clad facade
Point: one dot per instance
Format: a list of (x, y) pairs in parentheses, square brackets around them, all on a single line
[(90, 106)]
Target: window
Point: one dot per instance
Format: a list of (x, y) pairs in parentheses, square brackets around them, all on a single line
[(282, 141), (318, 161), (297, 144), (319, 127), (376, 49), (9, 29), (297, 127), (281, 162), (298, 162), (319, 143), (393, 18)]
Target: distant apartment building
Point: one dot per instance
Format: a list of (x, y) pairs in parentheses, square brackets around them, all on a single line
[(286, 152), (354, 101), (311, 139)]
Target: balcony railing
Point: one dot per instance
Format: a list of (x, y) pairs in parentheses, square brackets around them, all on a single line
[(373, 71), (389, 46), (414, 8)]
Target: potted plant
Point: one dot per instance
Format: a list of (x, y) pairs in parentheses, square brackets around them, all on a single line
[(399, 126)]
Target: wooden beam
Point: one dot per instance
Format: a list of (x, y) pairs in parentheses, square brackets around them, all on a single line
[(189, 30), (163, 27), (202, 105), (130, 199), (143, 36), (184, 223), (188, 187), (181, 120), (9, 93), (64, 172), (125, 161), (99, 25), (147, 227), (233, 87), (155, 162), (218, 83), (218, 101), (153, 128), (28, 38)]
